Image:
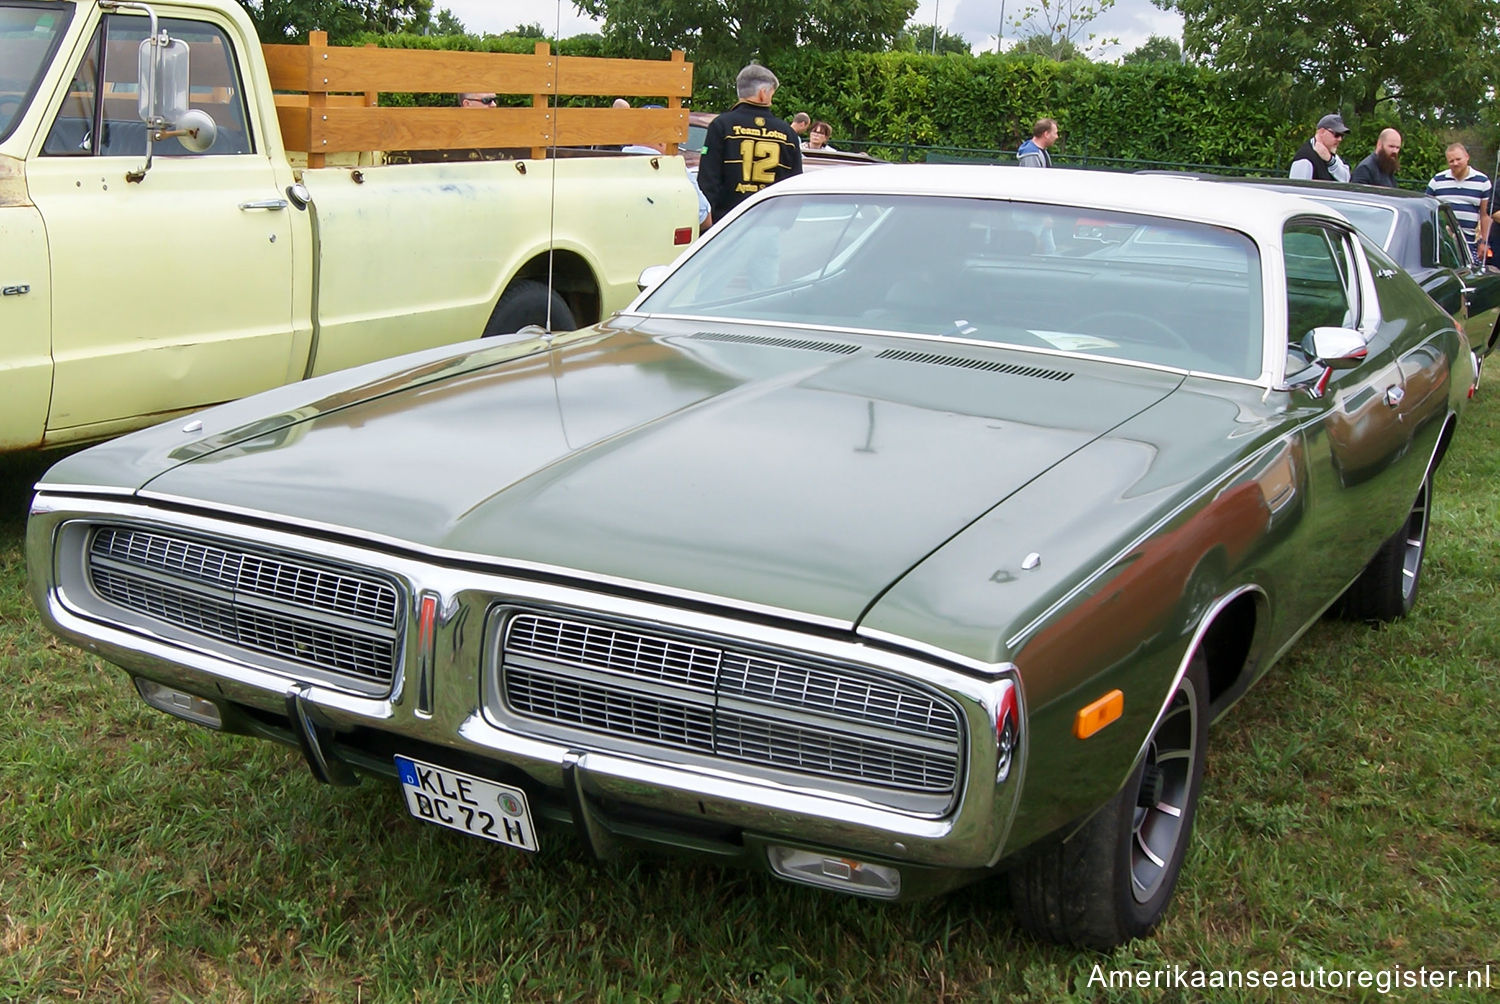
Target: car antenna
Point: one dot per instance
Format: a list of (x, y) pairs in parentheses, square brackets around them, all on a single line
[(552, 155)]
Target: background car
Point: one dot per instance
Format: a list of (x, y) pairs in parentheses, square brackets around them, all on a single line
[(911, 530)]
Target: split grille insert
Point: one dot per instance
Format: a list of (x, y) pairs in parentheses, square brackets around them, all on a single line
[(839, 722), (337, 620)]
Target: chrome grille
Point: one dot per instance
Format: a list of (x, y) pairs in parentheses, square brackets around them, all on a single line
[(615, 651), (840, 722), (638, 716), (335, 620)]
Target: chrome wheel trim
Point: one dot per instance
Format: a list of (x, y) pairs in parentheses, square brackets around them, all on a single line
[(1156, 835), (1415, 545)]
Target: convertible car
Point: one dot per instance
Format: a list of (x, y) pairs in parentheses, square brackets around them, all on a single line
[(910, 530)]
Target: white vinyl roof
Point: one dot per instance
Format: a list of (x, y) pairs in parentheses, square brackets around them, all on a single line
[(1257, 212)]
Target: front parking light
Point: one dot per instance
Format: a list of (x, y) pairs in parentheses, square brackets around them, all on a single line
[(179, 703), (832, 872)]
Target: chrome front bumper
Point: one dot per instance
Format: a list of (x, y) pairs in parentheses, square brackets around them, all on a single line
[(451, 715)]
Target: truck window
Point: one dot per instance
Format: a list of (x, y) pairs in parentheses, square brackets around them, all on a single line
[(29, 36), (102, 121)]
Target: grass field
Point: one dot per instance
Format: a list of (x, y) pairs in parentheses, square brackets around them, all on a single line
[(1351, 821)]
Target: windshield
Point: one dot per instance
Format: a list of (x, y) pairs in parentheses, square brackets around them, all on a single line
[(29, 35), (1376, 222), (1143, 288)]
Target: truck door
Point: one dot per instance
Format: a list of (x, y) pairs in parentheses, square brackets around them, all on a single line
[(174, 291)]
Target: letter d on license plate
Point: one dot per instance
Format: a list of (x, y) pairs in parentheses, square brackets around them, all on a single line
[(468, 804)]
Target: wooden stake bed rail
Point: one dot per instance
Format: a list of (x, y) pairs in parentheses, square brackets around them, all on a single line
[(335, 105)]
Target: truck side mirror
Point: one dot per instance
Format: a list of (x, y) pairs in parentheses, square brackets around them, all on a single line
[(162, 65), (163, 99)]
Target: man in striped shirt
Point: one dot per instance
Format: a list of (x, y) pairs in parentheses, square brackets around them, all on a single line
[(1467, 192)]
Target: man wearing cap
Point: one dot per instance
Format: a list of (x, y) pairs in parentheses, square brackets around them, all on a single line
[(1318, 158), (1467, 193)]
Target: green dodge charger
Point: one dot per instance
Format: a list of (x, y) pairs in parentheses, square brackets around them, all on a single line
[(909, 530)]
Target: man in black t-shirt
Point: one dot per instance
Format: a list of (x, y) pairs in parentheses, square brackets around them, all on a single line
[(747, 148)]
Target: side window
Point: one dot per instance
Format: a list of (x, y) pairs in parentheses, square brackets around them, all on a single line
[(1453, 249), (99, 116), (1322, 288), (72, 132)]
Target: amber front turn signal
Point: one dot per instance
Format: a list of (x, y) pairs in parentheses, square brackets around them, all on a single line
[(1093, 717)]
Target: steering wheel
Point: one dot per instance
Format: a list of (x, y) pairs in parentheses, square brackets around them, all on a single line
[(8, 108), (1128, 326)]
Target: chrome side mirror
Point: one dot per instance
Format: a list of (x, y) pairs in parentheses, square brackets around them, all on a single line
[(1335, 348), (162, 97), (651, 276), (162, 79)]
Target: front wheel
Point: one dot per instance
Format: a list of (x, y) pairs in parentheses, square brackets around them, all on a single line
[(527, 301), (1387, 589), (1110, 882)]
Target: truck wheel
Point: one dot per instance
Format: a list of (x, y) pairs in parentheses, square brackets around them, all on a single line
[(1387, 589), (1111, 881), (525, 302)]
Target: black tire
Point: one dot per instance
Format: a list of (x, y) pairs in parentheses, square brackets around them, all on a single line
[(1112, 880), (1387, 589), (525, 302)]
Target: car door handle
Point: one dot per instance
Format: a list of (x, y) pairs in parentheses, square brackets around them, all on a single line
[(1394, 396), (271, 205)]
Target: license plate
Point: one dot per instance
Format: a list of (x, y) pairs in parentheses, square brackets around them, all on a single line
[(468, 804)]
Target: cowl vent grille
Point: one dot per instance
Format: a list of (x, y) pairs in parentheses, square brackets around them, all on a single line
[(778, 342), (964, 362)]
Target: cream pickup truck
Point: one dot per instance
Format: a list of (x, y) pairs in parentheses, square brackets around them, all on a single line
[(187, 217)]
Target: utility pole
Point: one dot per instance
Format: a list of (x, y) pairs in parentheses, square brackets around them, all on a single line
[(1000, 32), (935, 6)]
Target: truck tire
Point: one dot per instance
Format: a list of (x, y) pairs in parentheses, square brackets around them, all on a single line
[(1111, 881), (526, 302)]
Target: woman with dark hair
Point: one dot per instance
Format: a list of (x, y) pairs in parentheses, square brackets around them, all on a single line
[(817, 137)]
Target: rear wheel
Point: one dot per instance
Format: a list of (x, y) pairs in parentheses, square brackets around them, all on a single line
[(527, 301), (1111, 881), (1387, 589)]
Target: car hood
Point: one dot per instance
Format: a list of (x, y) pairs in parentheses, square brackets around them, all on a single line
[(787, 470)]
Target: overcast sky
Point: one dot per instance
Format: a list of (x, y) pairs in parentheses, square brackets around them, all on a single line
[(1131, 21)]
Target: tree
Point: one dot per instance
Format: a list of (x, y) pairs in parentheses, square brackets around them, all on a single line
[(291, 20), (918, 38), (1064, 21), (1053, 47), (721, 36), (447, 23), (1424, 58), (1156, 49)]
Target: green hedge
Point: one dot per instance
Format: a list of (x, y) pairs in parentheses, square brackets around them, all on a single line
[(1157, 112)]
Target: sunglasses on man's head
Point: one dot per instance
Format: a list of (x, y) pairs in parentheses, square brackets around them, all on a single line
[(486, 101)]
